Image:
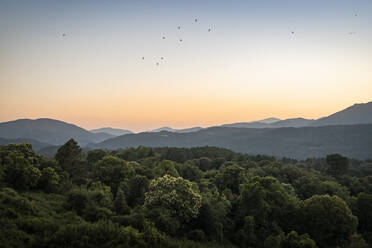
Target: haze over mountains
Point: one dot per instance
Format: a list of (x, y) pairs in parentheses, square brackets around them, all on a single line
[(356, 114), (169, 129), (111, 131), (354, 141), (49, 131), (340, 132)]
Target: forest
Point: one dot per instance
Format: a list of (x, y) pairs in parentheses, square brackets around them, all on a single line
[(181, 197)]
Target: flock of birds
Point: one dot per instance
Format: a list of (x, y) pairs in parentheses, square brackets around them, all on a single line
[(180, 40), (209, 30)]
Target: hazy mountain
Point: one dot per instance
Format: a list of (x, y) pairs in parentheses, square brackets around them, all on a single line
[(253, 124), (353, 141), (103, 136), (47, 130), (37, 145), (294, 122), (111, 131), (356, 114), (56, 132), (269, 120), (49, 151), (169, 129), (265, 123)]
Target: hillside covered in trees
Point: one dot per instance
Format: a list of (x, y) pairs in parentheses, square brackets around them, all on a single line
[(182, 197)]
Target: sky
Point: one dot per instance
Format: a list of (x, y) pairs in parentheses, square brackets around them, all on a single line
[(81, 61)]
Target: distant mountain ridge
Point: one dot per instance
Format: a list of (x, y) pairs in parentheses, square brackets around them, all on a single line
[(353, 141), (37, 145), (272, 123), (269, 120), (360, 113), (356, 114), (258, 136), (111, 131), (169, 129), (50, 131), (293, 122)]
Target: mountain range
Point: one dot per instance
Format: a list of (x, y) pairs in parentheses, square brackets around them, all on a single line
[(350, 140), (356, 114), (169, 129), (111, 131), (341, 132), (49, 131)]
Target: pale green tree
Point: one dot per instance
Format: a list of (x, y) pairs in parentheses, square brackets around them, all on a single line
[(176, 194)]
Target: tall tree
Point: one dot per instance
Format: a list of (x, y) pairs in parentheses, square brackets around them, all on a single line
[(329, 220), (68, 154)]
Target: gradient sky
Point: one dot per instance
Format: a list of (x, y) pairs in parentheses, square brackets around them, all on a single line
[(249, 67)]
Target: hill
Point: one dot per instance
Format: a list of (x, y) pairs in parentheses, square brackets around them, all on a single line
[(37, 145), (294, 122), (356, 114), (169, 129), (269, 120), (111, 131), (48, 130), (353, 141)]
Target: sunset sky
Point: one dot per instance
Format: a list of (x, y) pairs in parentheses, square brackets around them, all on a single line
[(249, 67)]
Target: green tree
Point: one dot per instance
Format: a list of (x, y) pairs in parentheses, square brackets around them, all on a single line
[(166, 167), (231, 177), (356, 241), (268, 201), (49, 180), (111, 171), (213, 215), (190, 172), (293, 240), (175, 194), (77, 200), (205, 163), (67, 156), (364, 213), (307, 186), (329, 220), (95, 155), (20, 174), (338, 164), (19, 166), (120, 204), (138, 186)]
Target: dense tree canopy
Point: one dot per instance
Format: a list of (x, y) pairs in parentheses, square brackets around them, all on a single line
[(182, 197)]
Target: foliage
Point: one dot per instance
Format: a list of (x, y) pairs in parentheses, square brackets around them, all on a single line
[(182, 197), (175, 194), (337, 164), (329, 220)]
